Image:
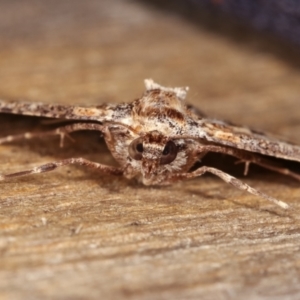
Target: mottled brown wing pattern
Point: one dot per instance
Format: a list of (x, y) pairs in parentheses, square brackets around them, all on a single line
[(102, 113), (246, 139)]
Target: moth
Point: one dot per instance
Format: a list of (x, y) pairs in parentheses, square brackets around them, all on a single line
[(157, 139)]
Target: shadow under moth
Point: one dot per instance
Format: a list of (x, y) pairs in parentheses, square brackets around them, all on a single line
[(157, 139)]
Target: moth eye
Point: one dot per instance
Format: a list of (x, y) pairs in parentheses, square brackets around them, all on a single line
[(136, 149), (169, 153)]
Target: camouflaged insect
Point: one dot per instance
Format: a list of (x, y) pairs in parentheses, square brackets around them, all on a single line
[(158, 139)]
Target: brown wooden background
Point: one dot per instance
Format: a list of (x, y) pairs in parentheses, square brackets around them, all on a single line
[(75, 234)]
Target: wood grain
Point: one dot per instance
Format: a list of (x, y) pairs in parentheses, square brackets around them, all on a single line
[(75, 234)]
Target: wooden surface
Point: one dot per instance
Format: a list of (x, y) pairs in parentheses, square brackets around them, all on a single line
[(75, 234)]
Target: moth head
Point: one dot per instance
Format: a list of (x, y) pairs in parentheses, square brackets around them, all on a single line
[(155, 153), (165, 153)]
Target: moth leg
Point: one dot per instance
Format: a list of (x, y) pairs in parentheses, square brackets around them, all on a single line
[(70, 161), (246, 167), (228, 179), (248, 158), (61, 131)]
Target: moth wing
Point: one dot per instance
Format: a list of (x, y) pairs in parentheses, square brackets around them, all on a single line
[(101, 113), (244, 138)]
